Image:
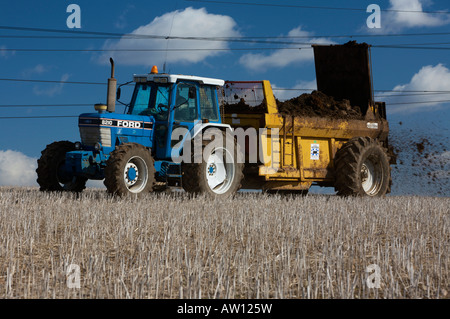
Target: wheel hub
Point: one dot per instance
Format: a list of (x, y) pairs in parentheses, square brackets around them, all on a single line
[(371, 177), (131, 173), (364, 173), (212, 169)]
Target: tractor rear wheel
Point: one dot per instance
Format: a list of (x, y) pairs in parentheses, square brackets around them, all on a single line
[(218, 174), (362, 168), (50, 169), (130, 170)]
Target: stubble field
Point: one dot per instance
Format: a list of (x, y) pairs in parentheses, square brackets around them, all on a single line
[(251, 246)]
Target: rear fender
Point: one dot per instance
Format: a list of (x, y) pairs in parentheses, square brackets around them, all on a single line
[(199, 128)]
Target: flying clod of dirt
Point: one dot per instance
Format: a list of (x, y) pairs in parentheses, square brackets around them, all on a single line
[(319, 104)]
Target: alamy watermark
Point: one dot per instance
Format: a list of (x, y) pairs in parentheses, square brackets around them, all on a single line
[(73, 275), (239, 145), (74, 19), (374, 20), (374, 279)]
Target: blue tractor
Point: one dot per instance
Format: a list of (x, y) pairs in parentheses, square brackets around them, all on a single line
[(136, 152)]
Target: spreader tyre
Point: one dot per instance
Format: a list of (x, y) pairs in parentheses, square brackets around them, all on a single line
[(362, 168)]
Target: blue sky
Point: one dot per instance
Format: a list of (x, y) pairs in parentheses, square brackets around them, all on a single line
[(21, 140)]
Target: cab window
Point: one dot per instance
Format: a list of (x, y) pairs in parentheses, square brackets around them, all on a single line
[(142, 99), (208, 103), (151, 100), (185, 106), (160, 108)]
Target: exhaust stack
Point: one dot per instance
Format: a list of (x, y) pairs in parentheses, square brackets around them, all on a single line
[(112, 85)]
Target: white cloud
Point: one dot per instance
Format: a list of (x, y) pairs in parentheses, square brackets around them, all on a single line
[(429, 78), (283, 57), (284, 94), (38, 69), (52, 90), (121, 21), (186, 23), (17, 169), (395, 21), (5, 53)]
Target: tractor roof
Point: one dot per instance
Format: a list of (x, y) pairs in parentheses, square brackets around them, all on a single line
[(174, 78)]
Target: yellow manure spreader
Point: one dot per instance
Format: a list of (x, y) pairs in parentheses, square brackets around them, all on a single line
[(336, 136)]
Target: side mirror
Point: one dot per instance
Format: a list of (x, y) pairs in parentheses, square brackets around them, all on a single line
[(119, 91), (192, 92)]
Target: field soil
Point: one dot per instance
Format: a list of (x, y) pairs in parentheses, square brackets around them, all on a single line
[(250, 246)]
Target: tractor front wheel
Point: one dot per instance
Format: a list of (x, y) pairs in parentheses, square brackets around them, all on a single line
[(50, 170), (130, 170)]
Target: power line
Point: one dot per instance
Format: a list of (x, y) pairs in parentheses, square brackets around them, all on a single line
[(250, 39), (412, 91), (73, 32), (312, 7), (102, 35), (44, 105), (419, 102), (154, 50), (274, 89), (50, 81), (391, 91), (37, 117), (59, 37), (91, 104), (409, 47), (415, 44), (411, 94), (76, 116)]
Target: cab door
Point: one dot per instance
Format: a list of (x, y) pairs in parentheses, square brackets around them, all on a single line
[(184, 114)]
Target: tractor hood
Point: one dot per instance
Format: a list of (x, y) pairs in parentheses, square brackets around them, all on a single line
[(111, 129)]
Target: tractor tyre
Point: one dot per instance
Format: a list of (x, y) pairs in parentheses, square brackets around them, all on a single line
[(52, 159), (219, 174), (362, 168), (130, 170)]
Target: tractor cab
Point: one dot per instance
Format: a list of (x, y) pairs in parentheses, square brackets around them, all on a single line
[(174, 101)]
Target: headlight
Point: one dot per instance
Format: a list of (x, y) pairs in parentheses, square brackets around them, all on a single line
[(97, 147), (160, 80), (77, 145), (140, 79)]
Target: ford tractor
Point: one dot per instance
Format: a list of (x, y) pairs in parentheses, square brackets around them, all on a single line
[(138, 152)]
